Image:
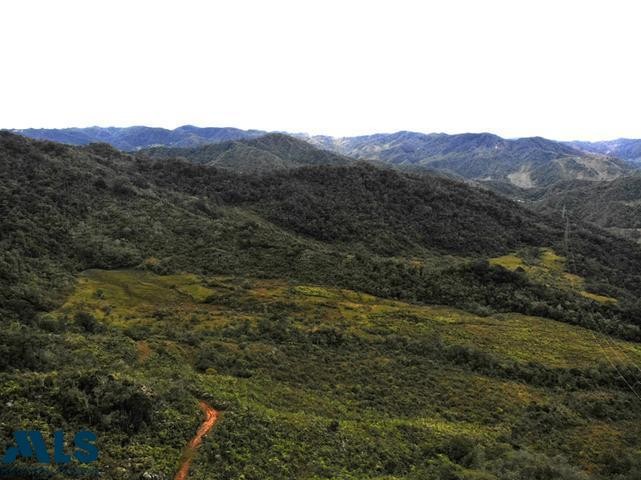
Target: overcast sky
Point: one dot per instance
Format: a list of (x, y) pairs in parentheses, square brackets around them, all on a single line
[(558, 68)]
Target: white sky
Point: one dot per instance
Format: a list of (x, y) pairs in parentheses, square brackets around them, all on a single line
[(557, 68)]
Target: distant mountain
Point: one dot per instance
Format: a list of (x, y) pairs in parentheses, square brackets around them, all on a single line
[(624, 148), (135, 138), (524, 162), (271, 152)]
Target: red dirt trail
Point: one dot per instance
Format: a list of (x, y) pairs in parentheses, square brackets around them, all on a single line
[(211, 416)]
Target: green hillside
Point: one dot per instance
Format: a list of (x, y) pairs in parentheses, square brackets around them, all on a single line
[(347, 321), (615, 205), (264, 154), (317, 382), (522, 162)]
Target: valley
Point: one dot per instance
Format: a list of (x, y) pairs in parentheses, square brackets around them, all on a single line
[(333, 318)]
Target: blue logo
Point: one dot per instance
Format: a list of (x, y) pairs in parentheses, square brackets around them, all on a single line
[(31, 444)]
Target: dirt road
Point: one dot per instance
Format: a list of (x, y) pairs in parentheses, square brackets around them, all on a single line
[(211, 416)]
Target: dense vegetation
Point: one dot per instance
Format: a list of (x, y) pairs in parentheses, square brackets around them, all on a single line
[(317, 382), (264, 154), (525, 162), (614, 205), (239, 296)]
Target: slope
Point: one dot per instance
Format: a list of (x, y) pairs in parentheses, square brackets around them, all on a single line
[(615, 205), (66, 209), (316, 382), (346, 320), (264, 154), (524, 162), (623, 148)]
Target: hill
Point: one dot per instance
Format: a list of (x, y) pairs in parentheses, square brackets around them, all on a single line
[(615, 205), (135, 138), (523, 162), (260, 155), (348, 321), (623, 148)]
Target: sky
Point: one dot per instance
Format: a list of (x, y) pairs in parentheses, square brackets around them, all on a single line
[(562, 69)]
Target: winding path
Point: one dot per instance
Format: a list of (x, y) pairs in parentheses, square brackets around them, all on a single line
[(211, 416)]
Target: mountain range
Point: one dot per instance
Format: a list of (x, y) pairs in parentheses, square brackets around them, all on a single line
[(346, 320), (525, 162), (135, 138), (585, 179)]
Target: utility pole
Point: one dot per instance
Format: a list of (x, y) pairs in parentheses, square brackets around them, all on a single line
[(566, 237)]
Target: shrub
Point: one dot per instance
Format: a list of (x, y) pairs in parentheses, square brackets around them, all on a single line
[(87, 322)]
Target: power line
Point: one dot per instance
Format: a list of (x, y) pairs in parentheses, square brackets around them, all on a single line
[(570, 258)]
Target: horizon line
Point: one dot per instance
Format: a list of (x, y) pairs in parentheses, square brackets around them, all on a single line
[(288, 132)]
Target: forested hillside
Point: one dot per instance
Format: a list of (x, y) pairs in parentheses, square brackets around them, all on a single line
[(615, 205), (348, 321), (261, 155), (524, 162)]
